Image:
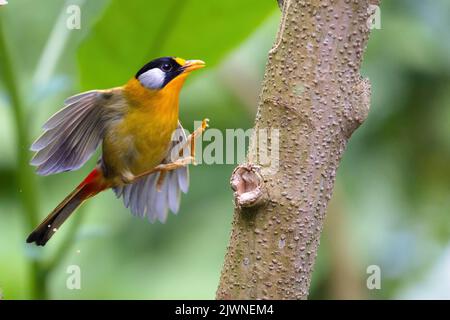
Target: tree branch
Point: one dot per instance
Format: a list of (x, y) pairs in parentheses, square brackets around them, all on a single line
[(313, 94)]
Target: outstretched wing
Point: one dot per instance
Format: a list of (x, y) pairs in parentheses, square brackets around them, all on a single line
[(73, 134), (145, 199)]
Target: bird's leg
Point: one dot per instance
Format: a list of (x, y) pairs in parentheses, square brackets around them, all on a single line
[(191, 139), (161, 177), (164, 167)]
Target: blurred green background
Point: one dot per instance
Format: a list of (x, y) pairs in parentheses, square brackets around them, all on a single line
[(391, 206)]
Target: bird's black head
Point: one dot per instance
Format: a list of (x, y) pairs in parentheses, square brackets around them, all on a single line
[(159, 72)]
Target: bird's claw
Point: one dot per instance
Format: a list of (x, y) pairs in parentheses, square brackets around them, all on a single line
[(205, 124)]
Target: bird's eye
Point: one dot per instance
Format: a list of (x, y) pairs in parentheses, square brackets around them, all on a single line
[(166, 67)]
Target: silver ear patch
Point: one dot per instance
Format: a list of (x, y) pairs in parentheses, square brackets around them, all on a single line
[(152, 79)]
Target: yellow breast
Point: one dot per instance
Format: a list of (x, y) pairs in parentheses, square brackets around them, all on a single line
[(140, 141)]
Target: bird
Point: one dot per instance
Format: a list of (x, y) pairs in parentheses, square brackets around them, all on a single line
[(143, 143)]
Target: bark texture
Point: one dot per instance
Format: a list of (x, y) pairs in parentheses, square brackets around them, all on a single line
[(314, 95)]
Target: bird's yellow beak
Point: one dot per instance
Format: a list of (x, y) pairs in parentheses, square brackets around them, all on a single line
[(191, 65)]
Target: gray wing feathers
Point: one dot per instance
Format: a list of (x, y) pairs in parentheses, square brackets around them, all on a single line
[(145, 200), (183, 179), (143, 197), (173, 191), (70, 136)]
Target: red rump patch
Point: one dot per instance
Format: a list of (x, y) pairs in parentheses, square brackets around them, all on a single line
[(92, 184)]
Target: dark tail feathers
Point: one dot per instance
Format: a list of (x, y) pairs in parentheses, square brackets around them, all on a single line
[(55, 219), (88, 188)]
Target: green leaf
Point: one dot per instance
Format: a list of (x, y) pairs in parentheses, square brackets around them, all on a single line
[(127, 37)]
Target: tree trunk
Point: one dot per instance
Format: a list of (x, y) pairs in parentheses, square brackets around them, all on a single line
[(315, 97)]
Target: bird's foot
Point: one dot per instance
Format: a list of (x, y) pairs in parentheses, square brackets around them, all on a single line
[(191, 139)]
